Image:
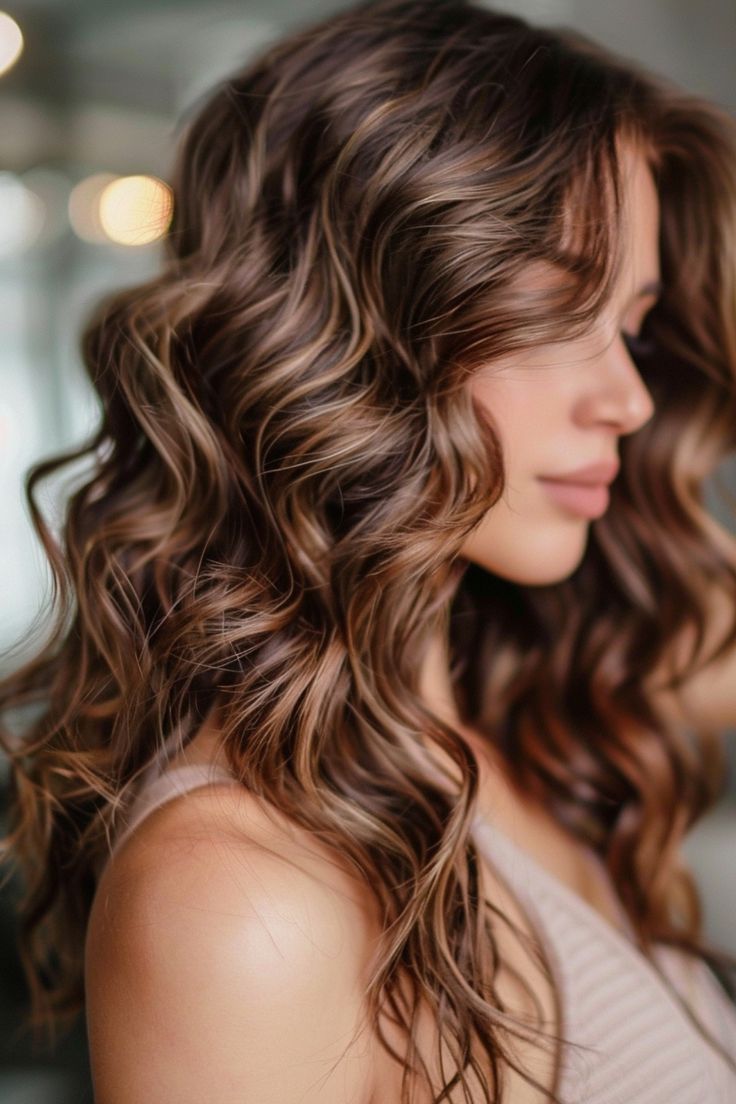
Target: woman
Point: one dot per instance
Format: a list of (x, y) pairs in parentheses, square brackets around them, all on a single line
[(401, 637)]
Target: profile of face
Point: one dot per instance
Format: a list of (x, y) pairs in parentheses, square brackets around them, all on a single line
[(563, 406)]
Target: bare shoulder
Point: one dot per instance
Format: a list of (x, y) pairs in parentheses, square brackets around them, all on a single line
[(226, 959)]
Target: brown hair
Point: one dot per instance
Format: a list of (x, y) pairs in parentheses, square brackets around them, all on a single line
[(288, 462)]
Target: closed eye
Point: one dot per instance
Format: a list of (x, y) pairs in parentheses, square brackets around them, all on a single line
[(637, 345)]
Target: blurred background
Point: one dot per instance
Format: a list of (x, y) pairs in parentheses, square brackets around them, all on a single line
[(90, 96)]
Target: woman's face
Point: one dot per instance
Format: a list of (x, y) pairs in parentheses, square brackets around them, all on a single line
[(563, 406)]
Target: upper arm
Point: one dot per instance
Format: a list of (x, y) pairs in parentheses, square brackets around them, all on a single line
[(222, 972)]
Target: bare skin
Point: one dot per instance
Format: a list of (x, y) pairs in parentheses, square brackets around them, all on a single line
[(227, 952), (227, 958)]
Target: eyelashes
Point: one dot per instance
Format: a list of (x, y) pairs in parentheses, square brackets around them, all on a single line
[(639, 347)]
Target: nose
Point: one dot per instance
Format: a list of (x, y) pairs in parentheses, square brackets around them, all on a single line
[(619, 397)]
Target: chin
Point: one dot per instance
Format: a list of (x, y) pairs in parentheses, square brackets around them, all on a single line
[(541, 575), (533, 558)]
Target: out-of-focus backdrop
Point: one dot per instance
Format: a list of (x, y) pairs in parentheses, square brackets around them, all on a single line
[(90, 95)]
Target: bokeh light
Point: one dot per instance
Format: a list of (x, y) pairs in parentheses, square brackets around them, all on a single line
[(136, 210), (11, 42), (84, 206), (22, 215)]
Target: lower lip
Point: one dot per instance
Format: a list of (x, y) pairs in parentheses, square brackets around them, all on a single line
[(585, 499)]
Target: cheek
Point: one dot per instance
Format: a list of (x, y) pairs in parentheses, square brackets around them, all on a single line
[(524, 537), (527, 410)]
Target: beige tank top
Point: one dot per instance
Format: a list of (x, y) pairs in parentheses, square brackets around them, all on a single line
[(634, 1042)]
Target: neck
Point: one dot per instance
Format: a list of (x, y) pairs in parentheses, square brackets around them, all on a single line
[(435, 685), (497, 790)]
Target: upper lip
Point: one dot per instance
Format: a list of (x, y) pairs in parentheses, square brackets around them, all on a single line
[(605, 471)]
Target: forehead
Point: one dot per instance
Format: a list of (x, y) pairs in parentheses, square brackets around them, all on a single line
[(637, 231), (640, 222)]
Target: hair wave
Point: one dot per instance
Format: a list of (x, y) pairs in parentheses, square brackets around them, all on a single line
[(288, 462)]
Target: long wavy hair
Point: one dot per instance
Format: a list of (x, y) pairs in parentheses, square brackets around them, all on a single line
[(289, 460)]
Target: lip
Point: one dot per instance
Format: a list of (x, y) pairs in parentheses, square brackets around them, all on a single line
[(602, 472), (583, 499)]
